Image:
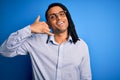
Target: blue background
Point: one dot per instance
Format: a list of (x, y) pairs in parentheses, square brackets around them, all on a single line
[(97, 22)]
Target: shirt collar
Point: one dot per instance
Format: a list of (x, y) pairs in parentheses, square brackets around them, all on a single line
[(52, 40)]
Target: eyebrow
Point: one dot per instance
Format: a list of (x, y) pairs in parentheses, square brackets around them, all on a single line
[(55, 13)]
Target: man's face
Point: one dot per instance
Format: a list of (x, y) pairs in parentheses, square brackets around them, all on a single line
[(57, 20)]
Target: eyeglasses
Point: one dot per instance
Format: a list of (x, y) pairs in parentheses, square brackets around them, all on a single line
[(54, 16)]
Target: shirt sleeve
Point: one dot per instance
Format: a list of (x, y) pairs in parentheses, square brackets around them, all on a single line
[(15, 44), (85, 69)]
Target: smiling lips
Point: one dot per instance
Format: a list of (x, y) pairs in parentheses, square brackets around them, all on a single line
[(60, 22)]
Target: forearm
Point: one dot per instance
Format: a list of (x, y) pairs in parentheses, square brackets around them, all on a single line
[(15, 40)]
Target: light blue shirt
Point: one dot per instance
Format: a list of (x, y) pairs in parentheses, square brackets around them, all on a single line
[(50, 60)]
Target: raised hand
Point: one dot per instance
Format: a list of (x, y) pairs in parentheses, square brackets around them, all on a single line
[(40, 27)]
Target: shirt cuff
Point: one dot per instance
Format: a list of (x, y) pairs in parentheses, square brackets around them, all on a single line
[(24, 32)]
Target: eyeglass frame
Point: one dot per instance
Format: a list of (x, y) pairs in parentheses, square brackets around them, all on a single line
[(61, 14)]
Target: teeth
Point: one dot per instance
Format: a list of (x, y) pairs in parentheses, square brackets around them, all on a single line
[(60, 22)]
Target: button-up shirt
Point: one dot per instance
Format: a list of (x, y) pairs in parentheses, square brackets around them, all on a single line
[(50, 60)]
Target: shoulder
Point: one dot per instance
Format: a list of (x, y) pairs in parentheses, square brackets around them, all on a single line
[(81, 42), (83, 47)]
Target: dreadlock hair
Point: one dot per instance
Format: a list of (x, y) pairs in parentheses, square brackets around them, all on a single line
[(71, 26)]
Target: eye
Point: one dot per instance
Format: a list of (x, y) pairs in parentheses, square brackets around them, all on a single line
[(62, 13), (52, 16)]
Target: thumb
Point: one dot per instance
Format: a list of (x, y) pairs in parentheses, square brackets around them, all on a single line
[(38, 18)]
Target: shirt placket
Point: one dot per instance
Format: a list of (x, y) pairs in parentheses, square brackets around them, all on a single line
[(59, 62)]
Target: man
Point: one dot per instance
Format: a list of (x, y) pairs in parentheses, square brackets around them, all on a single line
[(55, 55)]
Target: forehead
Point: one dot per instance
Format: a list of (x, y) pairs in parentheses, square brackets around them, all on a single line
[(55, 9)]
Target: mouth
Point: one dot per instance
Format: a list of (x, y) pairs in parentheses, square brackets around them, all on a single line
[(60, 23)]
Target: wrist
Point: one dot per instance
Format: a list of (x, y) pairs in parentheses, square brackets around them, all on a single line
[(31, 28)]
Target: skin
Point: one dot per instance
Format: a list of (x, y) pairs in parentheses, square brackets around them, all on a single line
[(60, 31)]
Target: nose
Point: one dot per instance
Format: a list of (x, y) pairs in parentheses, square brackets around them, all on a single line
[(58, 16)]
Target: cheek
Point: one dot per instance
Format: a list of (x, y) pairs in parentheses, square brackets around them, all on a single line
[(51, 23), (67, 22)]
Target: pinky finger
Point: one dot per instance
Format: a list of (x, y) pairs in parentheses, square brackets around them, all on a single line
[(49, 33)]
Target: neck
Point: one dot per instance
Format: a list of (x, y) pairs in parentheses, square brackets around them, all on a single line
[(60, 38)]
